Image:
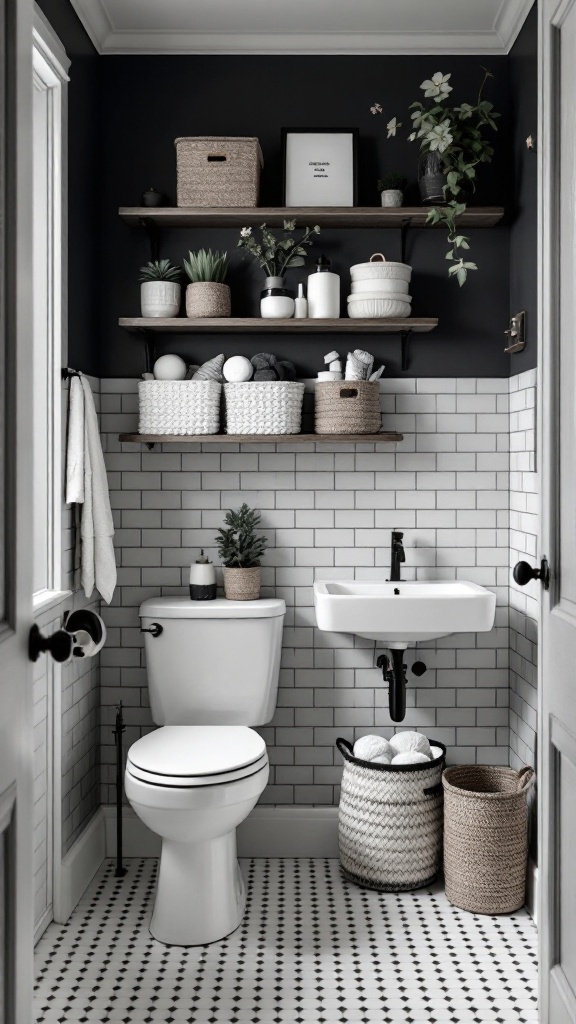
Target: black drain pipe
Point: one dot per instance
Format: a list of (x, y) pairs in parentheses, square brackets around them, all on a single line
[(394, 673), (117, 733)]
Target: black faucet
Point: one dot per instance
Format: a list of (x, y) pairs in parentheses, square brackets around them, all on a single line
[(397, 555)]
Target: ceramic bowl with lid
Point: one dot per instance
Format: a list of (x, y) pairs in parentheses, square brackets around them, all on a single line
[(380, 269)]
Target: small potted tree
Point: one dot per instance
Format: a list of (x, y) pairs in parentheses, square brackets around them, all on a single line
[(241, 550), (160, 289), (391, 188), (207, 295)]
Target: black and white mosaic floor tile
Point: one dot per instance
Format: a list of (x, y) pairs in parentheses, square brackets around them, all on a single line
[(312, 949)]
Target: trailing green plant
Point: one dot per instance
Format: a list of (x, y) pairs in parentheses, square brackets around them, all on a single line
[(456, 134), (160, 270), (206, 266), (277, 255), (238, 545), (392, 181)]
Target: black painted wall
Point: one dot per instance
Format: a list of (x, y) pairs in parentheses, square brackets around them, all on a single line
[(523, 236), (125, 113)]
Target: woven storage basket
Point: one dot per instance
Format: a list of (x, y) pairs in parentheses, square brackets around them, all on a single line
[(242, 584), (390, 822), (264, 407), (218, 171), (347, 407), (179, 406), (486, 837)]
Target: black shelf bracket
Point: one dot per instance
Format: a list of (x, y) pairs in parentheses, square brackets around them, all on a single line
[(153, 232), (405, 339), (406, 223)]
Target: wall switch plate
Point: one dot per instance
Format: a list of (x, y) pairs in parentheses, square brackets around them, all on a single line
[(516, 333)]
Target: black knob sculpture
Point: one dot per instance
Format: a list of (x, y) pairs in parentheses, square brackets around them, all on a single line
[(523, 572), (59, 645)]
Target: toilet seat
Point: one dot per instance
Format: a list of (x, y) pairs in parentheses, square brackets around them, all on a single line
[(190, 756)]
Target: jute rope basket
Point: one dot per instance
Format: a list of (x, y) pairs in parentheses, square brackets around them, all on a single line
[(242, 584), (179, 406), (390, 822), (486, 837), (217, 170), (347, 407)]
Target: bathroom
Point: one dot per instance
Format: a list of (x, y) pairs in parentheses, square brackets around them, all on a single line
[(461, 487)]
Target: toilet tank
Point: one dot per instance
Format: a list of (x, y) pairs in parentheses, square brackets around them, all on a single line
[(214, 662)]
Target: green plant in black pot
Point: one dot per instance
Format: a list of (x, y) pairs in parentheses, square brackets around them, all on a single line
[(240, 549), (452, 145)]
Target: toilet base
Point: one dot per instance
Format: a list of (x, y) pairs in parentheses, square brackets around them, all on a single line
[(200, 896)]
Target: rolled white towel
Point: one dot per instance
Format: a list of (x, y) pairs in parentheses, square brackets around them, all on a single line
[(408, 741), (368, 747), (381, 759), (436, 752), (410, 757)]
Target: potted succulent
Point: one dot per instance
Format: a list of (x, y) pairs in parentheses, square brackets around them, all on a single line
[(391, 188), (207, 295), (276, 256), (241, 550), (160, 289), (452, 144)]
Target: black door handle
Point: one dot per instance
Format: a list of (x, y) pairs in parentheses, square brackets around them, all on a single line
[(59, 645), (523, 572)]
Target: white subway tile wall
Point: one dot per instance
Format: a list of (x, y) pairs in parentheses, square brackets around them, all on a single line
[(524, 545), (327, 511)]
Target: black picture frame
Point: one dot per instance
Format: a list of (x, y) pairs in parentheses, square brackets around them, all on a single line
[(353, 132)]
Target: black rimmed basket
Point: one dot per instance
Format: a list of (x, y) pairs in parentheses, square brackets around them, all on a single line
[(390, 822)]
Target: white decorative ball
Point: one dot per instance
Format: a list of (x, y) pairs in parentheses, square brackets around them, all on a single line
[(237, 369), (409, 741), (368, 747), (436, 752), (381, 759), (410, 757), (169, 367)]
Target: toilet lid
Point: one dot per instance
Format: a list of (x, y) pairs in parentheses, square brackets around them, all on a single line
[(204, 754)]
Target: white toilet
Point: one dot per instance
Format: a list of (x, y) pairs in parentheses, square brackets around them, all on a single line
[(213, 670)]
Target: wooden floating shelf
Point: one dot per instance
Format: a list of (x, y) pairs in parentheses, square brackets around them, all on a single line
[(326, 217), (256, 325), (389, 437)]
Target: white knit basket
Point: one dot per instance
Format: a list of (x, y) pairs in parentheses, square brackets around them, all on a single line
[(264, 407), (179, 406), (390, 822)]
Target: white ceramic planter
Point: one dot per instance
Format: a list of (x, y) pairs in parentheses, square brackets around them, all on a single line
[(160, 298), (279, 306), (392, 197)]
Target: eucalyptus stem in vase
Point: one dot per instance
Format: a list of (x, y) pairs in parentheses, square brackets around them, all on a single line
[(452, 144), (276, 256)]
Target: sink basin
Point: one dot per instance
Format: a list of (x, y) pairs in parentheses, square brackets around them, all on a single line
[(402, 614)]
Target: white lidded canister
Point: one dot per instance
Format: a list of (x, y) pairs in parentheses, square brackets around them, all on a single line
[(323, 292)]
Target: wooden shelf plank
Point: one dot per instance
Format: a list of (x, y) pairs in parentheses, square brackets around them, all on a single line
[(388, 437), (256, 325), (326, 217)]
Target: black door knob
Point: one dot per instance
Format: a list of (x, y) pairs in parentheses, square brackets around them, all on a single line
[(59, 645), (523, 572)]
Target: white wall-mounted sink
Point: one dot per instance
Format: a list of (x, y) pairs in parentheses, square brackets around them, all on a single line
[(401, 614)]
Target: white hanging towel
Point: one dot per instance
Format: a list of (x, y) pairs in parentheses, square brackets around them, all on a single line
[(87, 484)]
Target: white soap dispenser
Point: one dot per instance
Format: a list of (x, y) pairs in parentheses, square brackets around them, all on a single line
[(323, 292), (202, 579)]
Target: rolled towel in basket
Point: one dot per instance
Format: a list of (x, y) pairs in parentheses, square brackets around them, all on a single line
[(409, 741), (368, 747), (410, 757)]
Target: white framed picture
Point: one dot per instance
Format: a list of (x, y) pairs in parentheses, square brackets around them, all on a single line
[(320, 166)]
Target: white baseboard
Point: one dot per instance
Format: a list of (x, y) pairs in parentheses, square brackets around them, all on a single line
[(532, 877), (79, 867), (267, 832), (41, 925)]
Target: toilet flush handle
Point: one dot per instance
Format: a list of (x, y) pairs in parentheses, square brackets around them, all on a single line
[(156, 629)]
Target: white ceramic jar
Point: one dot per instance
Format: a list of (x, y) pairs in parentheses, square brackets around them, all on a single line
[(160, 298), (323, 292), (276, 301)]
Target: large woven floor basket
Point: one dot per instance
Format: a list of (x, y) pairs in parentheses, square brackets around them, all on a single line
[(264, 407), (347, 407), (179, 406), (390, 822), (486, 837)]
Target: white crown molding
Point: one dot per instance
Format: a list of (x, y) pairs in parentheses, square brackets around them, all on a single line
[(495, 40)]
